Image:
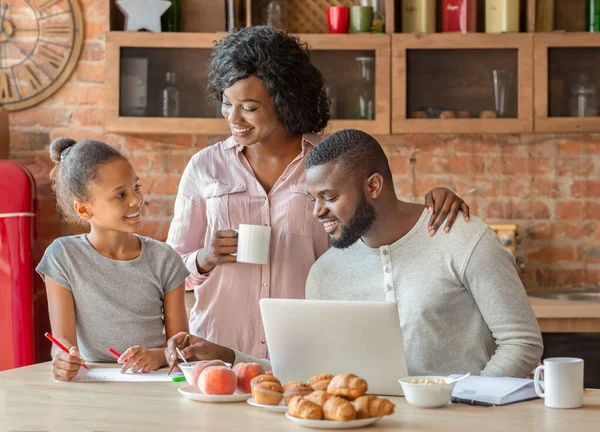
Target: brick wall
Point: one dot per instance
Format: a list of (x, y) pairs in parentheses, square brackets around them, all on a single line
[(548, 184)]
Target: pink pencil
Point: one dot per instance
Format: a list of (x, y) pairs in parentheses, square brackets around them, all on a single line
[(115, 353), (61, 346)]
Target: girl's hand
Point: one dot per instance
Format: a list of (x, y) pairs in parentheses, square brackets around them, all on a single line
[(442, 203), (222, 245), (65, 366), (138, 358)]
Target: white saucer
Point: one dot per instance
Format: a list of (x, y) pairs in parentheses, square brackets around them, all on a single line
[(282, 407), (190, 392), (330, 424)]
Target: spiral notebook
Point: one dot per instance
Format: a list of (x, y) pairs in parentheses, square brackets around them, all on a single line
[(491, 391)]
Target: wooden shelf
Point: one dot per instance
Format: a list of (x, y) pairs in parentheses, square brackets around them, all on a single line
[(544, 43), (115, 122), (381, 46), (321, 45), (403, 45), (335, 55)]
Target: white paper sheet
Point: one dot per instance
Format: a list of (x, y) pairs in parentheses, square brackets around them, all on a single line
[(114, 374)]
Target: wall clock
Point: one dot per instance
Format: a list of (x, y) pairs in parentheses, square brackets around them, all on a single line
[(40, 43)]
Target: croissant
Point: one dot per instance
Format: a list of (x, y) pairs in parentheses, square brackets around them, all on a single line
[(319, 397), (371, 406), (338, 409), (320, 382), (347, 385), (302, 408)]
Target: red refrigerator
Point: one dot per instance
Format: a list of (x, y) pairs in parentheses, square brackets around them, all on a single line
[(18, 295)]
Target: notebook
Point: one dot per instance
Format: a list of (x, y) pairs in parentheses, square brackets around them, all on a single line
[(478, 390)]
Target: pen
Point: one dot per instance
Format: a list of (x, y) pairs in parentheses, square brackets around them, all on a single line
[(179, 378), (61, 346)]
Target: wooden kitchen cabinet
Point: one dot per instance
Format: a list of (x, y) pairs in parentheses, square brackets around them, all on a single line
[(453, 72), (566, 82), (338, 57), (137, 64), (127, 83)]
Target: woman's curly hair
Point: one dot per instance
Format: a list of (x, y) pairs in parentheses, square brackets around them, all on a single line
[(283, 65)]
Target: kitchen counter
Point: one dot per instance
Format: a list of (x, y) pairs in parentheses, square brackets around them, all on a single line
[(564, 316), (30, 400)]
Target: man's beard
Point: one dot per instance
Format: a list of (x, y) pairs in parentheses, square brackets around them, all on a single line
[(359, 224)]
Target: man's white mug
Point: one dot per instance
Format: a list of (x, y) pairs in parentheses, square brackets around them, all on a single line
[(253, 244), (562, 384)]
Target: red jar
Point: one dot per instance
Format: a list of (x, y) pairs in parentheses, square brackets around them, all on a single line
[(459, 16)]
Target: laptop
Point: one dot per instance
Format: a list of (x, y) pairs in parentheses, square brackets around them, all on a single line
[(310, 337)]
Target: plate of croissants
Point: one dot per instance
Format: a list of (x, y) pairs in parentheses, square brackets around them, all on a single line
[(324, 401)]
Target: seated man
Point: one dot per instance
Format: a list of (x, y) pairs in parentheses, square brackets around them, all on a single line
[(464, 311), (461, 304)]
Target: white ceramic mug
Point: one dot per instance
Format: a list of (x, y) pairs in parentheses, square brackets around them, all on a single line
[(253, 244), (562, 384)]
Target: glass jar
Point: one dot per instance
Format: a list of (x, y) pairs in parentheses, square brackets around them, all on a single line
[(170, 96), (584, 102), (502, 16), (418, 16), (276, 14), (365, 109)]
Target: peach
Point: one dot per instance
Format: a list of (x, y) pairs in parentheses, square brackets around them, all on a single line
[(245, 373), (201, 365), (217, 380)]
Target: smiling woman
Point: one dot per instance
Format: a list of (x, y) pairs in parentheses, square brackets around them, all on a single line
[(274, 101)]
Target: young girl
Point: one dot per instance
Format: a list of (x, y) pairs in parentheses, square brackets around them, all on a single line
[(109, 288)]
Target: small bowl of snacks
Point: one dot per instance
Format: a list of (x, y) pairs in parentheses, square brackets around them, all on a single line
[(427, 391), (188, 372)]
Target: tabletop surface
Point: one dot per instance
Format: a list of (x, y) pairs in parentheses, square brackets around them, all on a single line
[(30, 400)]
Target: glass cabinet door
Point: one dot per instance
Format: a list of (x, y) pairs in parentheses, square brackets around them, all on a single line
[(164, 82)]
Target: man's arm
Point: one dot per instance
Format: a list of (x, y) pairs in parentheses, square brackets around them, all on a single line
[(491, 277)]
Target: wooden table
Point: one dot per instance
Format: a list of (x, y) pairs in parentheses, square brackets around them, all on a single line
[(30, 400)]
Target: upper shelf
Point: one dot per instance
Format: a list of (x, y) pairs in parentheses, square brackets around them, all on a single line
[(358, 81), (567, 84), (415, 76), (462, 83)]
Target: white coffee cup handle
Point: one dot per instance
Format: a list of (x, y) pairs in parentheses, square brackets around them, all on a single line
[(237, 232), (536, 381)]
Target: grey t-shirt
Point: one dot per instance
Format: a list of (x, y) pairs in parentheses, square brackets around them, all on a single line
[(118, 304)]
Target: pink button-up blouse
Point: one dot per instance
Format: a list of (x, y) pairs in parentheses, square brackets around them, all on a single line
[(219, 191)]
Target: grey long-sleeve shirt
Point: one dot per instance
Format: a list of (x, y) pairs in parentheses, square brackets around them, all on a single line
[(461, 303)]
